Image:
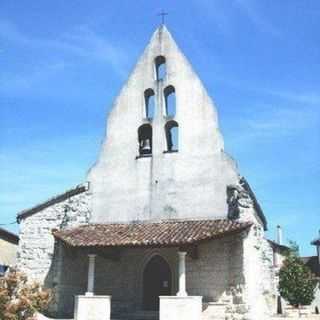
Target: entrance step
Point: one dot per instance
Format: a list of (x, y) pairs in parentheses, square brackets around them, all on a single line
[(213, 311), (139, 315), (145, 315)]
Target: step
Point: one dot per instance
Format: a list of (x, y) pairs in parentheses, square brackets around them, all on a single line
[(138, 315), (213, 311), (145, 315)]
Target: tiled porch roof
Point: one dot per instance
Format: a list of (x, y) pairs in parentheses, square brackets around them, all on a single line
[(313, 264), (164, 233)]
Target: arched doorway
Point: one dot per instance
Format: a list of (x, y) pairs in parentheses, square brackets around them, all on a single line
[(156, 282)]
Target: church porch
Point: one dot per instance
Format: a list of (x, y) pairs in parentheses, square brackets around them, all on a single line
[(135, 276)]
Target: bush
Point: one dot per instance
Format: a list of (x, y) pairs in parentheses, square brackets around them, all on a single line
[(20, 299), (296, 283)]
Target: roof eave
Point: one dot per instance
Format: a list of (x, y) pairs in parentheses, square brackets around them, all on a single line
[(9, 236), (277, 245), (256, 204), (243, 227), (59, 198)]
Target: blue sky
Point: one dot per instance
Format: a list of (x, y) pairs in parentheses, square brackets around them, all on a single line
[(63, 62)]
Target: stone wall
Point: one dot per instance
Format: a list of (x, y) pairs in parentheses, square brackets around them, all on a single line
[(36, 246), (218, 269), (316, 302), (259, 292), (243, 205)]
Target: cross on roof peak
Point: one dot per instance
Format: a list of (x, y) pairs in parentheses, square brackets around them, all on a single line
[(163, 14)]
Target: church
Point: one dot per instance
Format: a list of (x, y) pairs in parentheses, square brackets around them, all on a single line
[(164, 227)]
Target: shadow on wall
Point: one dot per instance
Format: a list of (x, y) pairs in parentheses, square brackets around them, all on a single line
[(67, 277)]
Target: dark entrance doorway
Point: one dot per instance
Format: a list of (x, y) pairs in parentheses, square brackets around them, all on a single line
[(156, 282)]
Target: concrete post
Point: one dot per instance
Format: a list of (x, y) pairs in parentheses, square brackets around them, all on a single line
[(91, 269), (182, 274)]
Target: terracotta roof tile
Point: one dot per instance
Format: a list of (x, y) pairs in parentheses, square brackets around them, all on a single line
[(165, 233)]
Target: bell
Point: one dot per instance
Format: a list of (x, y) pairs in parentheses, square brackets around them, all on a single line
[(146, 147)]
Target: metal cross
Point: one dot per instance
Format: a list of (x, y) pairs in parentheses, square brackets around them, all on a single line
[(162, 14)]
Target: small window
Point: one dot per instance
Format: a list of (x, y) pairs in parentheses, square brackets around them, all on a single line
[(170, 101), (149, 101), (160, 64), (172, 136), (145, 139)]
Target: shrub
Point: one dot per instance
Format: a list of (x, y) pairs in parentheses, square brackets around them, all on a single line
[(296, 283), (20, 299)]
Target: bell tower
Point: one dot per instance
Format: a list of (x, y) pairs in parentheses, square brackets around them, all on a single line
[(162, 157)]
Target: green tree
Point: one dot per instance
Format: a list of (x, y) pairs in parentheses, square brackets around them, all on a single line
[(296, 283)]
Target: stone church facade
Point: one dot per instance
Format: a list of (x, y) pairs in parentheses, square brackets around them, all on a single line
[(164, 211)]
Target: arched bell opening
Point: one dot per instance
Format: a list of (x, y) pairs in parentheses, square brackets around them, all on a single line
[(145, 139), (170, 101), (160, 67), (172, 136), (149, 102)]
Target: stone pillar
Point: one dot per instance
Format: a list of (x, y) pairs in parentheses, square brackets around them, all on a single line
[(91, 269), (182, 274)]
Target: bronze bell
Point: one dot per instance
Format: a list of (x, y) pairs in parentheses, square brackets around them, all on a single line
[(145, 146)]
